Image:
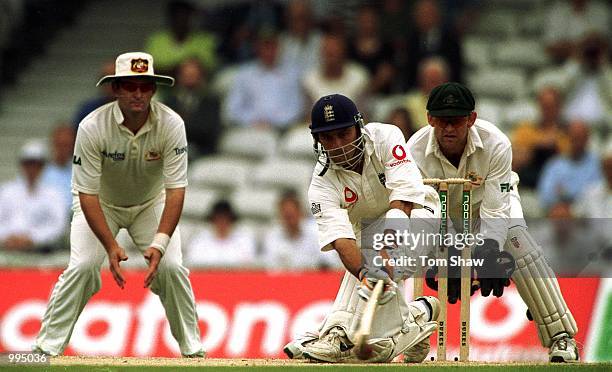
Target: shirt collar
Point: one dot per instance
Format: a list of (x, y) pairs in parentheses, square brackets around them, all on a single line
[(151, 120), (473, 143)]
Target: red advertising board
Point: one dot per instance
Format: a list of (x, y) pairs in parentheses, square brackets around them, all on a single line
[(251, 315)]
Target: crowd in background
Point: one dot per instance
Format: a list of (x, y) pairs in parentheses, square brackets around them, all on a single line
[(283, 55)]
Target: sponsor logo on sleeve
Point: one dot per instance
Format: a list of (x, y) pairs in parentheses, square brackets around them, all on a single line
[(505, 187), (350, 196), (76, 160), (180, 150), (400, 156)]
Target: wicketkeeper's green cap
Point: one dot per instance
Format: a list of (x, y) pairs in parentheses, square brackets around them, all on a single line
[(450, 99)]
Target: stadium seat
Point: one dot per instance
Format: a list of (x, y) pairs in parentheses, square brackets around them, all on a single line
[(506, 83), (476, 51), (490, 110), (555, 77), (518, 111), (219, 172), (198, 201), (525, 53), (282, 173), (259, 204), (249, 142), (500, 24), (297, 143), (381, 107)]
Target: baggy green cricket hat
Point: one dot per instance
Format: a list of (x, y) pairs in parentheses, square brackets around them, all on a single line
[(450, 99)]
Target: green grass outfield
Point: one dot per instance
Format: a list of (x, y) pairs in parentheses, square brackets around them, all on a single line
[(328, 368)]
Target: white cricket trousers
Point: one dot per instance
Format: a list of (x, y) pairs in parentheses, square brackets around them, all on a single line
[(81, 279)]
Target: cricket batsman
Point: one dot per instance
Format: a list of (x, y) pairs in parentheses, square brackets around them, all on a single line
[(365, 172), (129, 171), (457, 144)]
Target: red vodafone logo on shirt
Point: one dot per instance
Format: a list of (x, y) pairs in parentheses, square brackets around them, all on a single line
[(398, 152), (400, 155), (350, 196)]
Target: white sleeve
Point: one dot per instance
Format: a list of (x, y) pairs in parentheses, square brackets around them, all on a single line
[(332, 220), (175, 156), (86, 163), (495, 206), (50, 229), (402, 175)]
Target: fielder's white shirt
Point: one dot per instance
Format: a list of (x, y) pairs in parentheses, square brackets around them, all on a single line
[(487, 154), (340, 199), (127, 169)]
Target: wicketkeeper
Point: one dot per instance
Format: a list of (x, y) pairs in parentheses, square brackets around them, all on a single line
[(457, 144)]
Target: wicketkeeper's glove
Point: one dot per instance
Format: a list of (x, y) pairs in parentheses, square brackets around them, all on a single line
[(496, 270), (369, 277), (454, 279)]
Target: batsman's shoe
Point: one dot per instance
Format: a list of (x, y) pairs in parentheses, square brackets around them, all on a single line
[(418, 352), (334, 347), (295, 348), (39, 350), (563, 349), (199, 354)]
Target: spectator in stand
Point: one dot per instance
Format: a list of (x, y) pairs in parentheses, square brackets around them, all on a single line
[(300, 45), (222, 244), (368, 48), (400, 117), (266, 93), (568, 22), (104, 96), (180, 41), (431, 37), (596, 202), (33, 216), (536, 142), (566, 177), (433, 71), (336, 74), (58, 172), (293, 244), (588, 83), (198, 106)]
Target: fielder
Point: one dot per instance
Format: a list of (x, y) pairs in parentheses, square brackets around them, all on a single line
[(365, 172), (457, 144), (129, 171)]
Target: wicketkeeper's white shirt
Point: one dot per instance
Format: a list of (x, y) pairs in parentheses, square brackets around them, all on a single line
[(487, 154), (127, 169), (340, 199)]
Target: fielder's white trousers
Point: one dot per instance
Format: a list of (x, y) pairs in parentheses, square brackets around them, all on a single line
[(81, 279)]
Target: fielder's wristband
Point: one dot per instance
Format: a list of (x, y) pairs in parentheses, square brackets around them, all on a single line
[(160, 241)]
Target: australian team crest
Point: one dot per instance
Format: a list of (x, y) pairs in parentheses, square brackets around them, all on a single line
[(328, 113), (450, 100), (140, 65)]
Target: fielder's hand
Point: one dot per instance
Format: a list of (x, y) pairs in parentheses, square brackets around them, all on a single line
[(369, 277), (153, 256), (115, 256), (496, 270)]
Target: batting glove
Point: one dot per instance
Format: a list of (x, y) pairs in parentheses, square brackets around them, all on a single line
[(369, 277)]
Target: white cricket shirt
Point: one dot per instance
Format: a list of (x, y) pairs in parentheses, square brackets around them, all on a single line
[(127, 169), (487, 154), (340, 199)]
